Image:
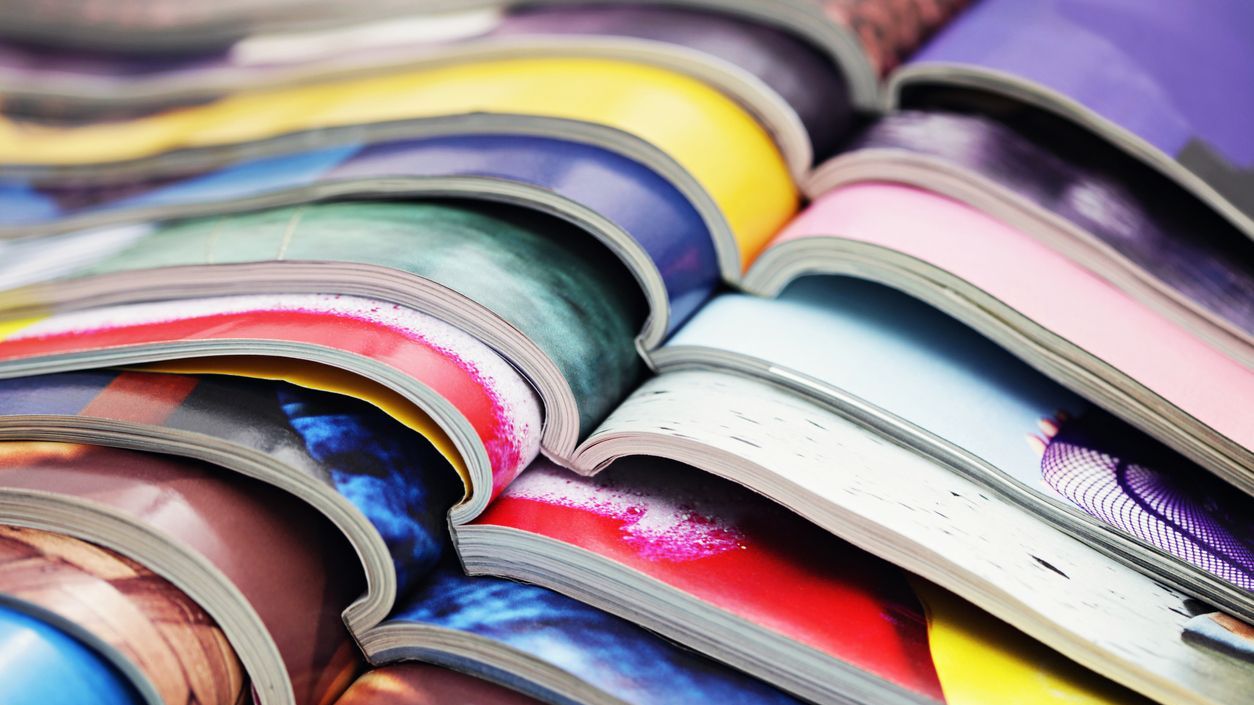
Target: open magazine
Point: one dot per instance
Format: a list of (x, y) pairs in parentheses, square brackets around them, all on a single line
[(478, 241)]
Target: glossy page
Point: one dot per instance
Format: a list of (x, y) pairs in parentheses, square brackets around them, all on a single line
[(152, 623), (1052, 292), (495, 400)]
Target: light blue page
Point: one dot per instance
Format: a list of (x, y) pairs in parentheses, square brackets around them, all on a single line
[(900, 355)]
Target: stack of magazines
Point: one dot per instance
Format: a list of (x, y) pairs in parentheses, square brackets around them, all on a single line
[(591, 352)]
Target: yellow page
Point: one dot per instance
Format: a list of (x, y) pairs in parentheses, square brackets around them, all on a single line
[(719, 144)]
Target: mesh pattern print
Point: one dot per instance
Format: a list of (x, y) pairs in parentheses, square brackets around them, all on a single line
[(1175, 507)]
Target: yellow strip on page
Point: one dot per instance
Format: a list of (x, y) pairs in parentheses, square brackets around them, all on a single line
[(324, 378), (981, 659), (720, 144)]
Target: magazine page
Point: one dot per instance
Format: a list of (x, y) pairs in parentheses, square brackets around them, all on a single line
[(474, 383), (546, 280), (738, 552), (896, 504), (1076, 193), (177, 645), (698, 127), (1167, 82), (236, 525), (956, 390), (1044, 307), (639, 204)]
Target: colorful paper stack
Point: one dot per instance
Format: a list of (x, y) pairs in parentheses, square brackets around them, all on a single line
[(607, 353)]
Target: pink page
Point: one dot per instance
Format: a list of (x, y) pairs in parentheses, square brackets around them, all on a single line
[(1048, 288)]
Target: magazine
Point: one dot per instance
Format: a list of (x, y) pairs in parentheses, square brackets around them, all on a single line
[(706, 562)]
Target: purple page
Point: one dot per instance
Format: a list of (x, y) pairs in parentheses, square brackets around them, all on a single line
[(1177, 75)]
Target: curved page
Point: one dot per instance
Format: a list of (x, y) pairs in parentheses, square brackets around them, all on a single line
[(632, 197), (349, 446), (1069, 310), (916, 513), (1167, 81), (479, 385), (566, 294), (239, 526), (166, 635), (961, 396), (1136, 220), (713, 139)]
